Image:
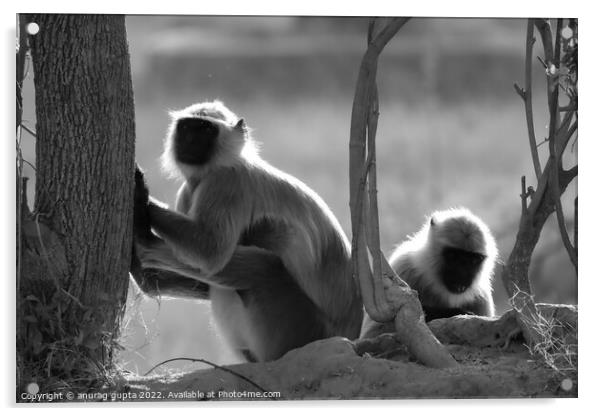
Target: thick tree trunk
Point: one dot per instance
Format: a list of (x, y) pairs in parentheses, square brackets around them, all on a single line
[(80, 243)]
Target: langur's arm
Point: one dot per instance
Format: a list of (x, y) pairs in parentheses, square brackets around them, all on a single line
[(205, 241), (156, 269), (163, 283), (248, 267), (156, 282)]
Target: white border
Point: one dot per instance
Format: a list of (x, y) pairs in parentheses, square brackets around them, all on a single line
[(589, 184)]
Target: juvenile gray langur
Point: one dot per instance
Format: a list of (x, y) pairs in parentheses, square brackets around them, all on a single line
[(274, 257), (450, 263)]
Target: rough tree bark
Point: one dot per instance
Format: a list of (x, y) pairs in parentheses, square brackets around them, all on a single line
[(77, 246)]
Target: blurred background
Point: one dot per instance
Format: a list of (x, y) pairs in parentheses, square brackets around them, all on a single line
[(452, 132)]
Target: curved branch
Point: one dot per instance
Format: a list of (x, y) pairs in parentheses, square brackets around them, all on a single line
[(567, 176), (21, 54), (528, 99), (372, 223), (387, 33), (545, 31), (383, 295), (357, 160), (566, 137), (216, 366)]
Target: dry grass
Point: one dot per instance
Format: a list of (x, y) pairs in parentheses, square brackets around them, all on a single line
[(555, 342)]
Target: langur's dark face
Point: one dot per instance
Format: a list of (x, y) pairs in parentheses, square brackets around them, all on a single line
[(459, 268), (195, 140)]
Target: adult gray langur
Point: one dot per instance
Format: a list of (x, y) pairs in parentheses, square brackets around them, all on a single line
[(274, 257)]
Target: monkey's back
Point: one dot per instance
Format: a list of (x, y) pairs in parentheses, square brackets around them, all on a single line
[(285, 216), (312, 245)]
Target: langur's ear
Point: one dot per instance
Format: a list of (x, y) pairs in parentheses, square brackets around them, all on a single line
[(433, 222), (241, 126)]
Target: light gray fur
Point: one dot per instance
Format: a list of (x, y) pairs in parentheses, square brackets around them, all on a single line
[(218, 202), (416, 261)]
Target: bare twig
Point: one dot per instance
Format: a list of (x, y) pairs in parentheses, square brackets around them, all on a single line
[(542, 62), (545, 31), (542, 186), (28, 130), (219, 367), (31, 165), (564, 139), (528, 98), (21, 55), (523, 195), (520, 91)]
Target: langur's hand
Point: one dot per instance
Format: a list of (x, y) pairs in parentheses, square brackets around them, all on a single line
[(142, 224)]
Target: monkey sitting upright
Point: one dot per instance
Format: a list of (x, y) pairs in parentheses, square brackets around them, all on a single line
[(275, 258), (450, 263)]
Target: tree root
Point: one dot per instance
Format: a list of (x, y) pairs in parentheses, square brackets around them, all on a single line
[(480, 331)]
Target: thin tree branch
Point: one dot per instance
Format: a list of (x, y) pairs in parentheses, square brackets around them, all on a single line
[(543, 182), (21, 55), (219, 367), (373, 226), (566, 137), (520, 91), (528, 98), (545, 31), (542, 186), (555, 158), (523, 195), (28, 130), (542, 62)]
